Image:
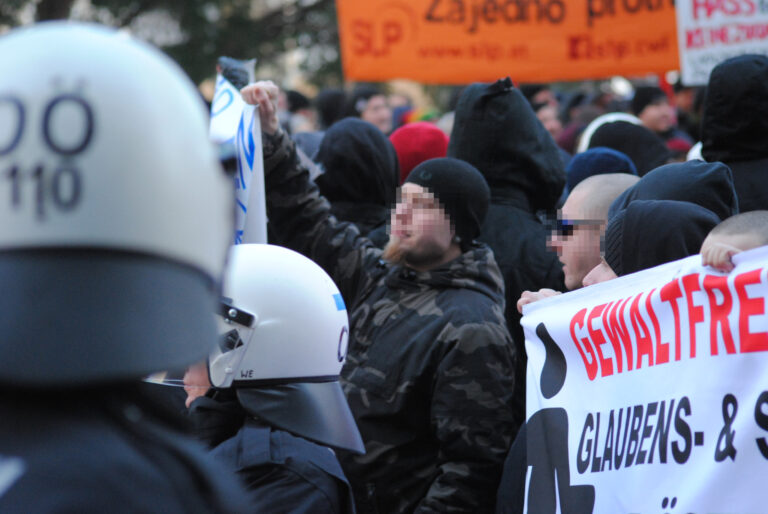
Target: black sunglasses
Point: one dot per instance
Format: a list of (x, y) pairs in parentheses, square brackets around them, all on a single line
[(566, 227)]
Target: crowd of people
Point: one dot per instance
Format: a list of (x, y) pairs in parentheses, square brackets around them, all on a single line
[(371, 358)]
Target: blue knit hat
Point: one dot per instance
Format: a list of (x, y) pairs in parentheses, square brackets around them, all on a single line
[(597, 161)]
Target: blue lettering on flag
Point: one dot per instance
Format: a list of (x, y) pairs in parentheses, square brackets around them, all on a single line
[(249, 150), (241, 205), (339, 302), (227, 104), (239, 184)]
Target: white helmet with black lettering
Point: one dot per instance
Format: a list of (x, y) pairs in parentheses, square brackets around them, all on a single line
[(284, 340), (115, 215)]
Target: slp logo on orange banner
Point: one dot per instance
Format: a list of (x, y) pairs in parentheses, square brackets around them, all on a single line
[(460, 41), (394, 25)]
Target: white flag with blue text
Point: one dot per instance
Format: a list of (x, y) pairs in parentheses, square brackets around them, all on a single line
[(234, 123)]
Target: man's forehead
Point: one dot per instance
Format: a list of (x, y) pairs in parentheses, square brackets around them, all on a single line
[(572, 208), (410, 191)]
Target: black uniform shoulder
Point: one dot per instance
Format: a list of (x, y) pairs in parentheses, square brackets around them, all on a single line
[(80, 459), (285, 473)]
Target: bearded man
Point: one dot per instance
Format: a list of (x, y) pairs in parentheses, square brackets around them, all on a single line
[(430, 366)]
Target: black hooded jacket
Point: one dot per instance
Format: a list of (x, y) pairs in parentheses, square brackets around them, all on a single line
[(497, 131), (646, 149), (709, 185), (361, 176), (651, 232), (734, 128)]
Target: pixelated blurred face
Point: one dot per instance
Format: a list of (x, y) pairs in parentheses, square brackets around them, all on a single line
[(378, 113), (576, 241), (600, 273), (420, 231), (658, 116)]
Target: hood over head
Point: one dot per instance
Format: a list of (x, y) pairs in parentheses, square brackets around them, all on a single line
[(496, 131), (735, 122), (646, 149), (708, 184), (360, 164), (652, 232)]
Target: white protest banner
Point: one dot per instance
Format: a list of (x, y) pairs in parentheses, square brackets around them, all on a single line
[(234, 123), (226, 108), (711, 31), (251, 219), (648, 393)]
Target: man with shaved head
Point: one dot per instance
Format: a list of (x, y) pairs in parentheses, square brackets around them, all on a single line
[(579, 228)]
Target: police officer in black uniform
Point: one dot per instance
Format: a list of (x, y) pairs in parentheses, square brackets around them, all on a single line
[(277, 407), (115, 218)]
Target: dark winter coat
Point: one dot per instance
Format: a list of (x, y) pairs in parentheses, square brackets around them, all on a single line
[(734, 128), (103, 451), (430, 366), (497, 131), (282, 472), (361, 175)]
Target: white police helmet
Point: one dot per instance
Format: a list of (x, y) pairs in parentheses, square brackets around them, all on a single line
[(285, 332), (115, 215)]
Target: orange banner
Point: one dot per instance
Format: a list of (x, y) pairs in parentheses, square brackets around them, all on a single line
[(462, 41)]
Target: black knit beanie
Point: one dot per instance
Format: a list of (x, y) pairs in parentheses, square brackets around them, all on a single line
[(461, 190), (644, 96), (612, 242)]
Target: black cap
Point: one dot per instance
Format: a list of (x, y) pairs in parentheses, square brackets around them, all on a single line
[(644, 96), (461, 190), (614, 233)]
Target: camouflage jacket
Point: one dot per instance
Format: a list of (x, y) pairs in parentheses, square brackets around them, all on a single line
[(430, 367)]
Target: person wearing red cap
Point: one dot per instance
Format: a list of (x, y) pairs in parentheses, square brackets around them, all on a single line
[(417, 142)]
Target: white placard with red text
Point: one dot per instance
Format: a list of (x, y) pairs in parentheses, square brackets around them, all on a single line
[(658, 401), (711, 31)]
